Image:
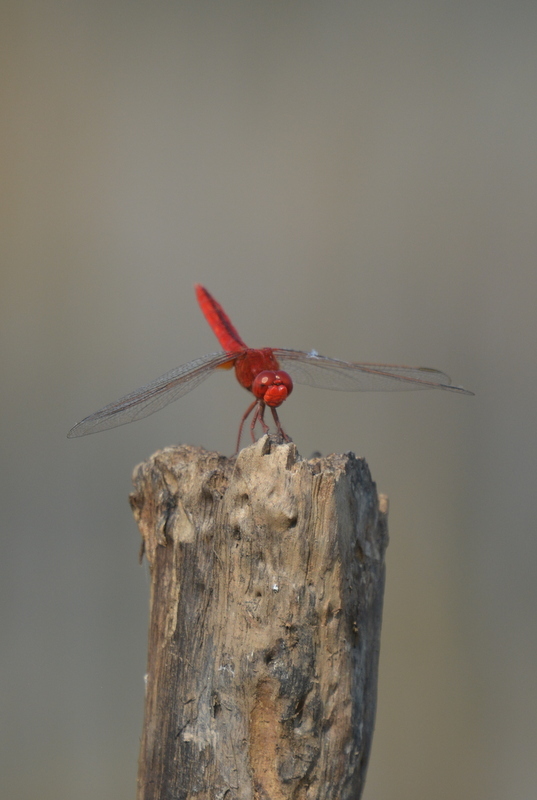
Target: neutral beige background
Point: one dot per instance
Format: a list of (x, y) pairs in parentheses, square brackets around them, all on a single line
[(359, 178)]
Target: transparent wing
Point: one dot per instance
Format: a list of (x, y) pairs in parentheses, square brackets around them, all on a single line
[(348, 376), (154, 396)]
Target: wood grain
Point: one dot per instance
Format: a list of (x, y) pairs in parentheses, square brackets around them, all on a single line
[(267, 579)]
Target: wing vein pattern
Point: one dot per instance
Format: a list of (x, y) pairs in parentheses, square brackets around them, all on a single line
[(348, 376), (153, 396)]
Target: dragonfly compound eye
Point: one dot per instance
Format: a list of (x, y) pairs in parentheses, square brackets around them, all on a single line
[(261, 383)]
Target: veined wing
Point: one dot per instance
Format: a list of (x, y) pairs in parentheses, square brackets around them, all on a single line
[(349, 376), (154, 396)]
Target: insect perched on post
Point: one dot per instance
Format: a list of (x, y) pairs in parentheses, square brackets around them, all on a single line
[(261, 372)]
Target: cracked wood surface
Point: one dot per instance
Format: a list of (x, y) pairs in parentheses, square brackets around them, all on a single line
[(267, 579)]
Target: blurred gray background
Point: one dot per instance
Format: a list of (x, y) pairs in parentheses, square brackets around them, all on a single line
[(359, 178)]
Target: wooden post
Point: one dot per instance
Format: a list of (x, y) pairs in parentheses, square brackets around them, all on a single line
[(267, 578)]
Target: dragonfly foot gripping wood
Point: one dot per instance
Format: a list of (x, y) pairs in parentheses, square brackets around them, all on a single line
[(267, 578)]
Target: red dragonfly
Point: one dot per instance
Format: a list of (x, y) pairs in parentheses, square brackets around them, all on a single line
[(260, 372)]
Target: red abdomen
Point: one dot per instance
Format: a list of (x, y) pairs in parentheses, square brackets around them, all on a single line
[(219, 321)]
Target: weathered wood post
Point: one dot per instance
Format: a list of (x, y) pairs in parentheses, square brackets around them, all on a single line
[(267, 578)]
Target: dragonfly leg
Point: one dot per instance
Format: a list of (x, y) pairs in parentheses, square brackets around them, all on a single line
[(243, 420), (259, 416), (279, 428)]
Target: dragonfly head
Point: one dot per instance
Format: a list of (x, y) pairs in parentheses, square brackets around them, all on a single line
[(273, 387)]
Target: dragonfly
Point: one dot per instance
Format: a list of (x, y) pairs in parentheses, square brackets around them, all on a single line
[(268, 373)]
